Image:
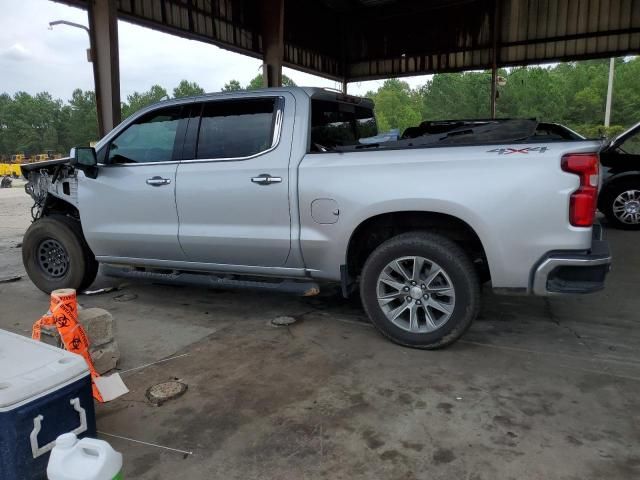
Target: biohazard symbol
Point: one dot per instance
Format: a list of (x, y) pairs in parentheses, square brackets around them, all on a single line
[(64, 313), (75, 343), (62, 321)]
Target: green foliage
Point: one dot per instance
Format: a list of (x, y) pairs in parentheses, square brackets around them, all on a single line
[(287, 82), (530, 93), (5, 102), (600, 131), (456, 95), (137, 101), (81, 118), (255, 83), (572, 94), (187, 89), (31, 123), (232, 86), (258, 82), (397, 106), (626, 93)]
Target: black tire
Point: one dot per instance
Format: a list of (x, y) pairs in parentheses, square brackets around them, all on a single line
[(82, 267), (608, 197), (452, 259), (91, 265)]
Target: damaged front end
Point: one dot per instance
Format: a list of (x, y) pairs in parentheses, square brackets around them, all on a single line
[(50, 182)]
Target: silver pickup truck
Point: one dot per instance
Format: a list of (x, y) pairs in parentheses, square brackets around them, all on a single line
[(272, 189)]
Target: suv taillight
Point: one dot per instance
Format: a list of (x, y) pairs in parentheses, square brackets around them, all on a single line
[(582, 206)]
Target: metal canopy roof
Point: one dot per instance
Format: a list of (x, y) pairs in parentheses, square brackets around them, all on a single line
[(365, 39)]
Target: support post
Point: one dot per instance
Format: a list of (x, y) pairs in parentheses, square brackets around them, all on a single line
[(272, 42), (344, 86), (103, 34), (494, 58), (607, 110), (494, 89)]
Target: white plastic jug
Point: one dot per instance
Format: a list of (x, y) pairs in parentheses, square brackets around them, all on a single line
[(85, 459)]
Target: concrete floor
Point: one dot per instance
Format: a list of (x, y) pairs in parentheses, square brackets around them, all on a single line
[(537, 389)]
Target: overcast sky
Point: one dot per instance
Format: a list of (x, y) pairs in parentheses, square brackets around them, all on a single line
[(34, 58)]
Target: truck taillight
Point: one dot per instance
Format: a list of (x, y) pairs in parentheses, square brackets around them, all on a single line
[(583, 202)]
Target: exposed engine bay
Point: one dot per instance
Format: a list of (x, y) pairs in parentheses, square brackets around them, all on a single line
[(51, 178)]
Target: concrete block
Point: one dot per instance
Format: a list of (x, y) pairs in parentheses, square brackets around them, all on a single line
[(105, 357), (49, 335), (98, 323)]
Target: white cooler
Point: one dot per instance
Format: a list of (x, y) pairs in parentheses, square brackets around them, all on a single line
[(44, 392)]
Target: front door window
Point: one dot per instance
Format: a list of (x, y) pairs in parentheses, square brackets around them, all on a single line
[(150, 139)]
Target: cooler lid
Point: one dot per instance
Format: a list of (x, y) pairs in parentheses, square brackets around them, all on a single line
[(29, 368)]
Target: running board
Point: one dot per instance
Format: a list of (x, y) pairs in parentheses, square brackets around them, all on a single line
[(211, 280)]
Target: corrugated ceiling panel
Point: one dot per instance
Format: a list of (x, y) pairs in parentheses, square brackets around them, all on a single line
[(380, 38)]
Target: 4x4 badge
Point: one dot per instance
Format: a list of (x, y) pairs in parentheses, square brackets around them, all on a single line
[(526, 150)]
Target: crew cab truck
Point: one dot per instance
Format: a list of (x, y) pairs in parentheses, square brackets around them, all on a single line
[(272, 189)]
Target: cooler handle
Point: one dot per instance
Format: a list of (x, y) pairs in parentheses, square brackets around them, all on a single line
[(37, 425)]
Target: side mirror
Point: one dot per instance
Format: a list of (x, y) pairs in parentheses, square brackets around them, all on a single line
[(85, 159)]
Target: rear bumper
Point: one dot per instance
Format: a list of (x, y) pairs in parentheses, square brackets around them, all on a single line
[(565, 272)]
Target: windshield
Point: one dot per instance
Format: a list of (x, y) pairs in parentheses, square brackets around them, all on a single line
[(340, 124)]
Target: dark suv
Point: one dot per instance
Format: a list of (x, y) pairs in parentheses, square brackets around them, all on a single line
[(619, 198)]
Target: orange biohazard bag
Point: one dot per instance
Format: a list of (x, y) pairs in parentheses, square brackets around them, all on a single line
[(63, 313)]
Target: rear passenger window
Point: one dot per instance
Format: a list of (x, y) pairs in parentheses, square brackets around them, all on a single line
[(236, 128), (340, 124)]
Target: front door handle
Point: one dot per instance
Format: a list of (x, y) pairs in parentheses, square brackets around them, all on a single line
[(266, 179), (158, 181)]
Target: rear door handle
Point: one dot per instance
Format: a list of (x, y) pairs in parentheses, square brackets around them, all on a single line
[(158, 181), (266, 179)]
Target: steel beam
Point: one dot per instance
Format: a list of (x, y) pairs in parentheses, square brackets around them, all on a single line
[(272, 41), (103, 33), (607, 110), (494, 58)]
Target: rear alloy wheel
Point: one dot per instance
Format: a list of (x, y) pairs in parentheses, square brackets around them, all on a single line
[(420, 290), (416, 294)]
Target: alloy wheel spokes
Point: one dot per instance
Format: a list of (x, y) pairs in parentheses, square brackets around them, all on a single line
[(390, 297), (626, 207), (436, 304), (413, 317), (418, 265), (391, 282), (397, 267), (416, 294)]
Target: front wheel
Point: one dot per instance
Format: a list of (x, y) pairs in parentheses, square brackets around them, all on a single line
[(55, 255), (420, 290)]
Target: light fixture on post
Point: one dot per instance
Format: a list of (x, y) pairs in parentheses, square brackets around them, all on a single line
[(75, 25)]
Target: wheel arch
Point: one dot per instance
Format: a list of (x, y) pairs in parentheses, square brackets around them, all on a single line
[(57, 206), (375, 230)]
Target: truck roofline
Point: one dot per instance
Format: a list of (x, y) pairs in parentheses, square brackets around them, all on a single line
[(311, 92)]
